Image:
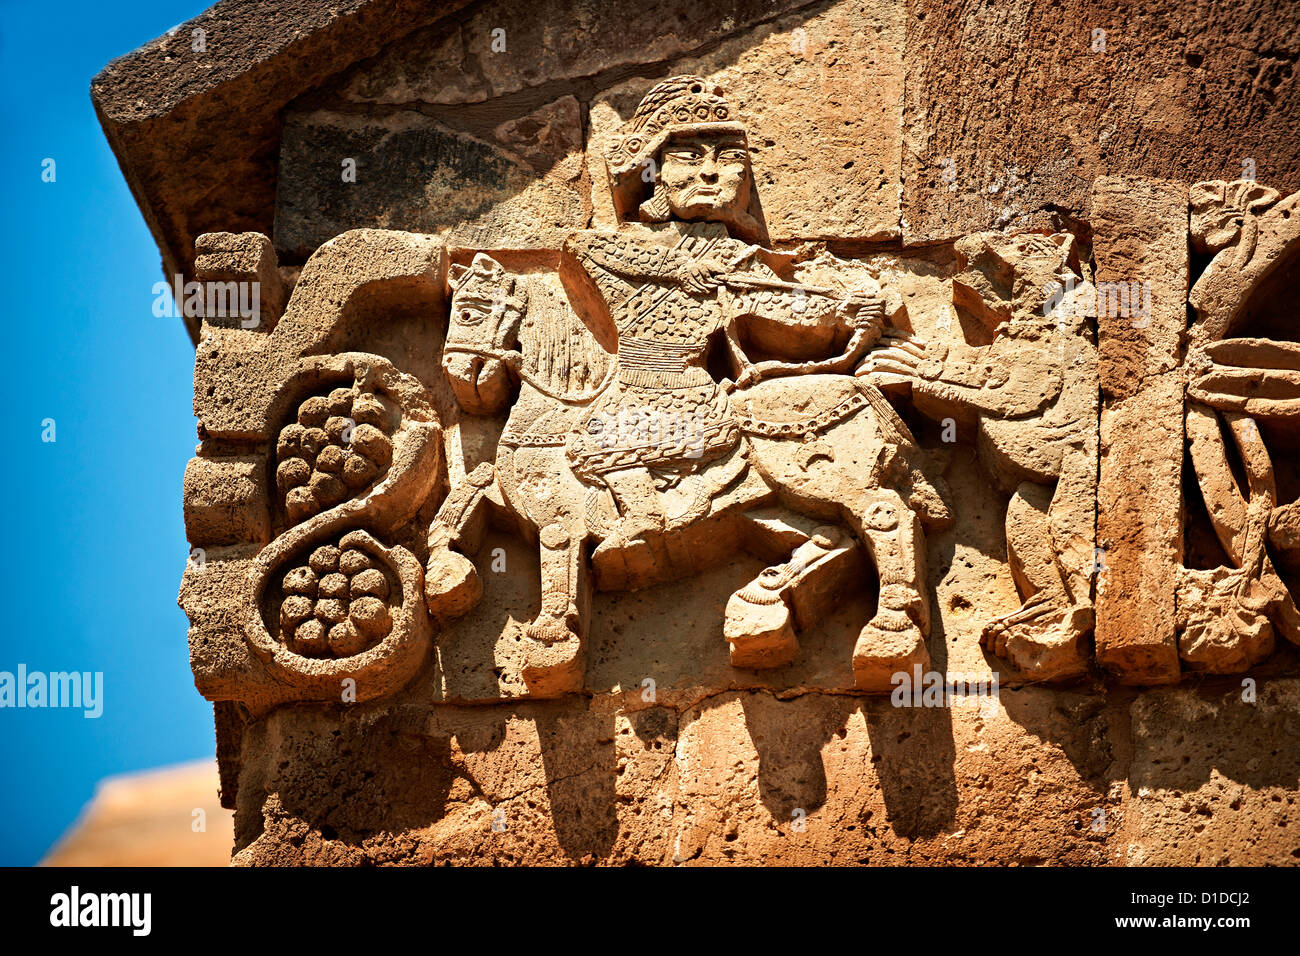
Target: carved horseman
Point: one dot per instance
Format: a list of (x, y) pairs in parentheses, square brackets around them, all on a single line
[(671, 288), (803, 433)]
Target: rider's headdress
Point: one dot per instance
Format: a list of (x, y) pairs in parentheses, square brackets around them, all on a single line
[(682, 104)]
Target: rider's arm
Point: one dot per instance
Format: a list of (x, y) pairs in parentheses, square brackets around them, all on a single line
[(625, 257)]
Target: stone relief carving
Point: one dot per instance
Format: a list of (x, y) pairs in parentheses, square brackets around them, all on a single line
[(660, 445), (1241, 399), (339, 444), (655, 400), (1030, 396)]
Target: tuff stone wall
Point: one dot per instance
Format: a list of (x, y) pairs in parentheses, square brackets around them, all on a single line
[(996, 337)]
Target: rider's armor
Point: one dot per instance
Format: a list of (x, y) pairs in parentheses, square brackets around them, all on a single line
[(663, 408)]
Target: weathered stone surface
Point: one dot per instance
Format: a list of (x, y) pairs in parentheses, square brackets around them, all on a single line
[(1015, 101), (739, 778), (404, 170), (508, 47), (749, 778), (226, 501), (1214, 777), (1140, 246), (1139, 533)]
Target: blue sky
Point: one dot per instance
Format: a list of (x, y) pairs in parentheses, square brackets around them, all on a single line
[(94, 544)]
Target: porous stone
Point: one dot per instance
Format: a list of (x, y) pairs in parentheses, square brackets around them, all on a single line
[(404, 170), (1013, 109), (777, 433), (1140, 245)]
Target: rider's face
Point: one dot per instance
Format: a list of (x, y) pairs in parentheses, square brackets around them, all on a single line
[(705, 177)]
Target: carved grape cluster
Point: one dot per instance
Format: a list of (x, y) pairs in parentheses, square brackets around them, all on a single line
[(335, 605), (340, 444)]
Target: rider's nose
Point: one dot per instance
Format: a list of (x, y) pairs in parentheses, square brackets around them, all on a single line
[(709, 171)]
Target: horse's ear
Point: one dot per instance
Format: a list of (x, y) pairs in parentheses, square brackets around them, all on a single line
[(455, 275), (485, 265)]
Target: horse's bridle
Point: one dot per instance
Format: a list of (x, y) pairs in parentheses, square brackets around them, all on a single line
[(515, 360)]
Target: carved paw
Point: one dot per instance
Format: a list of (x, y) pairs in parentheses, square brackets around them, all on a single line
[(1045, 646), (1224, 626), (890, 644), (451, 584), (894, 361)]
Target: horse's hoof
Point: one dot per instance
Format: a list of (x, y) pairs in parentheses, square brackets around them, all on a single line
[(552, 663), (1045, 647), (761, 633), (889, 644), (451, 584)]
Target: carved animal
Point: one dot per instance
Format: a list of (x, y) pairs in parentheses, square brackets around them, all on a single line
[(1030, 397)]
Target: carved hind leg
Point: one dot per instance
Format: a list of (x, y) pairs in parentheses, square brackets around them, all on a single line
[(893, 641), (552, 661), (451, 582), (1043, 636)]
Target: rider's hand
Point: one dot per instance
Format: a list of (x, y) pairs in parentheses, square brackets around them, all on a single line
[(895, 361), (701, 276), (860, 310)]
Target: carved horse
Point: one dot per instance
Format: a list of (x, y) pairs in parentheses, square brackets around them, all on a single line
[(828, 447)]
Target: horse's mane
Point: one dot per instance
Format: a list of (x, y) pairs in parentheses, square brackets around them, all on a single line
[(557, 346)]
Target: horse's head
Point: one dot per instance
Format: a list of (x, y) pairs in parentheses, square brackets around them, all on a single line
[(481, 334)]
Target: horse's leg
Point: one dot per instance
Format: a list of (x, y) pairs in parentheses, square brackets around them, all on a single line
[(760, 618), (812, 479), (893, 641), (640, 512), (637, 535), (553, 660), (451, 582)]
